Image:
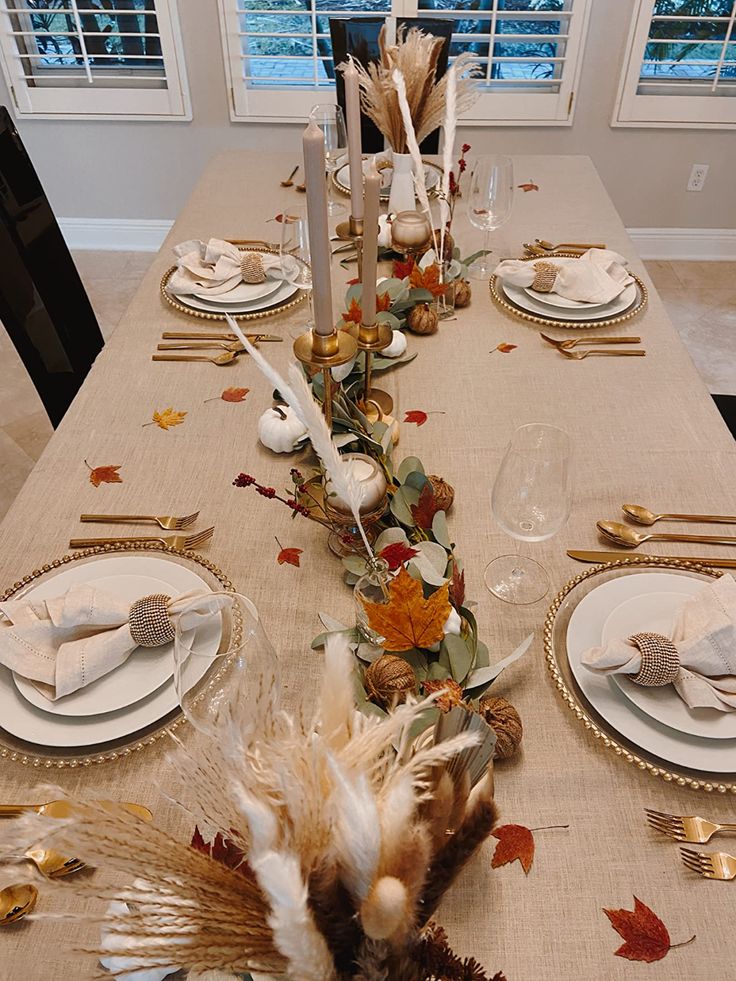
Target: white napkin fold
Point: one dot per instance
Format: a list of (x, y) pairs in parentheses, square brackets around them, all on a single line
[(65, 643), (213, 267), (598, 276), (705, 637)]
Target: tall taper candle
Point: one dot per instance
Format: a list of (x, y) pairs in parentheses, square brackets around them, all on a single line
[(370, 245), (355, 145), (313, 145)]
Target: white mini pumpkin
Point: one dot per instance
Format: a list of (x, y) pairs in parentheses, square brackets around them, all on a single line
[(397, 346), (341, 372), (280, 430)]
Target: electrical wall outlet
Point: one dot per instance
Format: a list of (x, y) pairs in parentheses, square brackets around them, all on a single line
[(697, 177)]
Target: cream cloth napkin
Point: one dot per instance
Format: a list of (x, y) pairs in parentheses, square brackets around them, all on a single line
[(65, 643), (705, 637), (598, 276), (214, 267)]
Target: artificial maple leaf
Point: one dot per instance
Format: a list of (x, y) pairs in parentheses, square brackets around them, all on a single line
[(428, 279), (354, 282), (396, 554), (426, 507), (167, 418), (506, 348), (417, 416), (403, 269), (290, 556), (529, 186), (408, 619), (647, 938), (223, 850), (354, 313), (514, 841), (383, 302), (234, 394), (457, 586), (104, 475)]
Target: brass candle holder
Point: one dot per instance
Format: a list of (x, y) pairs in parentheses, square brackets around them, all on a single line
[(324, 352), (371, 339), (352, 231)]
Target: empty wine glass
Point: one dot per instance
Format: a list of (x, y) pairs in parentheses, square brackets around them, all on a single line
[(294, 252), (530, 500), (490, 198), (331, 120)]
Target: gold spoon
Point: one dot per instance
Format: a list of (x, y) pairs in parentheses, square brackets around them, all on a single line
[(17, 901), (235, 346), (289, 182), (227, 357), (65, 808), (53, 864), (643, 516), (567, 245), (621, 534), (570, 343), (302, 188)]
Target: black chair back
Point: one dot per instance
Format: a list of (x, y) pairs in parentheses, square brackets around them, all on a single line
[(43, 305)]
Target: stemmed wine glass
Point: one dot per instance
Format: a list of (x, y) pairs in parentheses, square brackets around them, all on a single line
[(530, 500), (489, 202), (294, 250), (331, 120)]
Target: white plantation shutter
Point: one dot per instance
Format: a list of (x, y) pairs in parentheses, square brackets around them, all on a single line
[(279, 63), (94, 59), (680, 68)]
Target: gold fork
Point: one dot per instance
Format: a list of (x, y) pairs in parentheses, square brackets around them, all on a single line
[(181, 542), (543, 244), (580, 355), (227, 357), (235, 346), (716, 865), (693, 829), (568, 344), (165, 521), (185, 335)]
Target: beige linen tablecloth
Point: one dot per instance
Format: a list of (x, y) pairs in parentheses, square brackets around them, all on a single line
[(644, 430)]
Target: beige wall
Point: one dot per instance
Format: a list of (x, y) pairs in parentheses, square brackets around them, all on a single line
[(146, 170)]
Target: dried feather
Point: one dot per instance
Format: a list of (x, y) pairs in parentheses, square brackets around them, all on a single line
[(356, 829), (337, 701), (450, 127), (420, 185), (334, 914)]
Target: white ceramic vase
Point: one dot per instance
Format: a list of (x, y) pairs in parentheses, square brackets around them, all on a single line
[(401, 197)]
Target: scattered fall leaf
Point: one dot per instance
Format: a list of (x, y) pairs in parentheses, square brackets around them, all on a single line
[(222, 849), (417, 416), (403, 268), (514, 841), (428, 279), (289, 219), (104, 475), (645, 935), (354, 282), (457, 586), (289, 556), (396, 554), (505, 348), (426, 507), (409, 620), (234, 394), (383, 302), (529, 186), (167, 418)]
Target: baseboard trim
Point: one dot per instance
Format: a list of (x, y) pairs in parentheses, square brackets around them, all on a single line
[(145, 235)]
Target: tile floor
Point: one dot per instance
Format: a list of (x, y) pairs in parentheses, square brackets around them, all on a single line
[(700, 298)]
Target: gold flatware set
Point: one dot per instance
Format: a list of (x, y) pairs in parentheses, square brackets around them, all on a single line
[(541, 247), (165, 521), (230, 345), (589, 555), (566, 347), (698, 831)]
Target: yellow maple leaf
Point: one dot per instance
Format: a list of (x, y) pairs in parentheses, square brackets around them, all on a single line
[(409, 620), (168, 418)]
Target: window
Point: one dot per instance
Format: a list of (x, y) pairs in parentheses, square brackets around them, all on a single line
[(681, 65), (94, 58), (279, 57)]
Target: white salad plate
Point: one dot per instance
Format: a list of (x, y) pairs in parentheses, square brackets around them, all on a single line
[(242, 293), (281, 295), (34, 725), (520, 298), (714, 754), (555, 300)]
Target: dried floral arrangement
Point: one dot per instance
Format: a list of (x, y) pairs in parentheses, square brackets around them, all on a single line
[(320, 852)]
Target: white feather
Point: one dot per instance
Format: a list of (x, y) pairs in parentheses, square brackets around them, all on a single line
[(357, 830), (450, 125), (337, 702)]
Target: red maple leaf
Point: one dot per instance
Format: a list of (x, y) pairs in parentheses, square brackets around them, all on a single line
[(403, 268), (417, 416), (396, 554), (353, 282), (221, 849), (426, 507), (383, 302), (514, 841), (457, 586), (505, 348), (646, 937), (354, 313), (290, 556), (529, 186)]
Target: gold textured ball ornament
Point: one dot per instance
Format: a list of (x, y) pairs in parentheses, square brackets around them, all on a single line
[(389, 680), (505, 721), (444, 493), (411, 233), (462, 292), (422, 319), (452, 693)]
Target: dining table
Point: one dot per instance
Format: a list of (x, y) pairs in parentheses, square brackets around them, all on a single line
[(643, 430)]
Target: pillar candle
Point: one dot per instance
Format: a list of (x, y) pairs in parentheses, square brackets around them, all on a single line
[(370, 245), (313, 144), (355, 146)]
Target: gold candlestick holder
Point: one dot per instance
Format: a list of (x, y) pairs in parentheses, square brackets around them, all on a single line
[(371, 339), (352, 231), (323, 352)]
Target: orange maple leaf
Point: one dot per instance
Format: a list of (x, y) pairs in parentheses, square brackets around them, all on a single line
[(514, 841), (354, 313), (104, 475), (409, 620), (428, 279), (234, 394), (290, 556), (529, 186), (646, 937), (383, 302), (167, 418), (505, 348)]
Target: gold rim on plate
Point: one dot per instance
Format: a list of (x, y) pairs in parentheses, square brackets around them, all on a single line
[(156, 730), (431, 191), (256, 315), (601, 730), (511, 308)]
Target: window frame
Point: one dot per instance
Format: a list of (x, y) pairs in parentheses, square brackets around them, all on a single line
[(676, 111), (131, 102), (290, 105)]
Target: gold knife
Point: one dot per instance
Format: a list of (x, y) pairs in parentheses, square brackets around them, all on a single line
[(179, 335), (583, 556)]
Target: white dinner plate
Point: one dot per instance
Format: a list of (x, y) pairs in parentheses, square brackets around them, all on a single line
[(21, 719), (555, 300), (519, 296), (431, 178), (585, 630), (142, 673), (282, 294), (657, 612), (242, 293)]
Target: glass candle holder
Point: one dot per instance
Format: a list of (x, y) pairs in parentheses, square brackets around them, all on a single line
[(371, 588)]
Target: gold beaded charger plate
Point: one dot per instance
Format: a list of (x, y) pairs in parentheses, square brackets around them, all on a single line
[(32, 736), (577, 320), (599, 704), (432, 178)]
